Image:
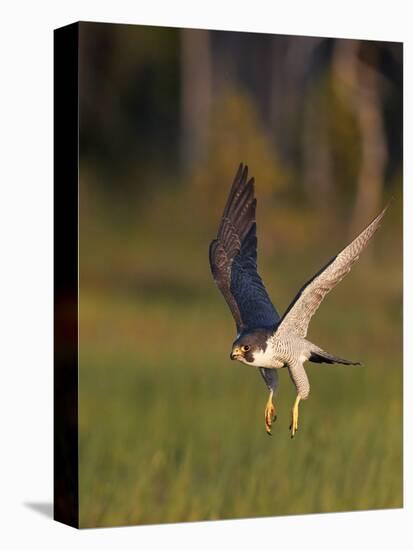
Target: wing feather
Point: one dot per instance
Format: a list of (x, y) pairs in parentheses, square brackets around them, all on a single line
[(307, 301), (233, 258)]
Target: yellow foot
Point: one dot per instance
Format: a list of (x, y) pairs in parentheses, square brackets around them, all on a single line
[(269, 414), (294, 417)]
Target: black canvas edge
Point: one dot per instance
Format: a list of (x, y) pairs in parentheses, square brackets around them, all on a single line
[(66, 274)]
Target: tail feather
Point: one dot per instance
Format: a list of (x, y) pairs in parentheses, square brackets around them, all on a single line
[(321, 356)]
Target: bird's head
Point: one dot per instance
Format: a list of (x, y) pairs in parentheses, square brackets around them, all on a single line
[(249, 345)]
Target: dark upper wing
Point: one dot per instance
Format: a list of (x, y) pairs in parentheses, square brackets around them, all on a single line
[(233, 258), (305, 304)]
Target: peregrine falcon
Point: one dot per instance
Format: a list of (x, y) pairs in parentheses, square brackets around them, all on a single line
[(264, 339)]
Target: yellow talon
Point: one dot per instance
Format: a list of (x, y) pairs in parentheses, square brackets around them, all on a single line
[(269, 414), (294, 419)]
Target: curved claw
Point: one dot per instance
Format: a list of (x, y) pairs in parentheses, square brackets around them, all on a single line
[(294, 418), (270, 416)]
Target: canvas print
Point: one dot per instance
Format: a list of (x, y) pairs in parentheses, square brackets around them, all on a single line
[(222, 184)]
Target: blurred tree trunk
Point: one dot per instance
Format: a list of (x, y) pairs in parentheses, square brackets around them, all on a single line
[(373, 149), (277, 95), (317, 171), (291, 63), (359, 83), (196, 75)]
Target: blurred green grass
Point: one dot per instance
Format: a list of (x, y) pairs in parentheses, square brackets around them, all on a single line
[(172, 430)]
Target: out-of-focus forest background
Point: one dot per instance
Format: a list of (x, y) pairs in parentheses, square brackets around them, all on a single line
[(170, 428)]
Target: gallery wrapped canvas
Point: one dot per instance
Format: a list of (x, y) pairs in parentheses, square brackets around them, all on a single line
[(211, 189)]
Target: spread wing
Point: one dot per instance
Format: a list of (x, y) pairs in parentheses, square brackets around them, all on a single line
[(233, 258), (305, 304)]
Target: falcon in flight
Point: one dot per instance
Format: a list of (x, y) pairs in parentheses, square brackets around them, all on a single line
[(264, 339)]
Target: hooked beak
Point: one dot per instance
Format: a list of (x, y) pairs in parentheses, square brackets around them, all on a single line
[(236, 352)]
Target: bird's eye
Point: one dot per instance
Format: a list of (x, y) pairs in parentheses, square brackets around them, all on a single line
[(245, 348)]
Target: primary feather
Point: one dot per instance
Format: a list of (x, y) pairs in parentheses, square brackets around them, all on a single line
[(233, 259)]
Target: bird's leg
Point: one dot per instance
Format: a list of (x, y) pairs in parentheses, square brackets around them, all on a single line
[(270, 415), (294, 417), (270, 377)]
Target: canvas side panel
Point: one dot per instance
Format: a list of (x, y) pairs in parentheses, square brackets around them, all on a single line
[(66, 295)]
